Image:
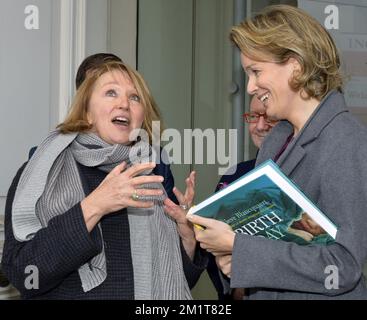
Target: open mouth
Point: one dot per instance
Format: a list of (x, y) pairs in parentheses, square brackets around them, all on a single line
[(264, 97), (121, 121)]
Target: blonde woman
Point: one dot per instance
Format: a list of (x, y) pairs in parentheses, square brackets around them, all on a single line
[(85, 210), (293, 67)]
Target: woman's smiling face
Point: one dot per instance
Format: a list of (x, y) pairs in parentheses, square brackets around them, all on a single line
[(115, 108), (269, 81)]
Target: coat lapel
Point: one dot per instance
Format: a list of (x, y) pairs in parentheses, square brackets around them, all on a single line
[(332, 105), (274, 141), (288, 163)]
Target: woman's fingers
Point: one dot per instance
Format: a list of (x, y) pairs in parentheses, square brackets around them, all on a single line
[(146, 192), (225, 264), (116, 171), (179, 195), (190, 188), (121, 189), (175, 211), (168, 202), (136, 181), (138, 168), (190, 184), (188, 198), (205, 222)]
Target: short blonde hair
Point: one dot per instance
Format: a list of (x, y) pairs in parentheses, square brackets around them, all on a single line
[(76, 120), (281, 32)]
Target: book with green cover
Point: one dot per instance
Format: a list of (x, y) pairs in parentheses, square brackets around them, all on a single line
[(266, 203)]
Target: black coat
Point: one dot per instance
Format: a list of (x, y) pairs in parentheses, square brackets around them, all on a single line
[(59, 249)]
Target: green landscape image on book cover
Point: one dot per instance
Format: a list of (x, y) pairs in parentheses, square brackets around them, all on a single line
[(261, 208)]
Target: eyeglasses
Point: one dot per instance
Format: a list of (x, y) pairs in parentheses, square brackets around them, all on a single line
[(253, 117)]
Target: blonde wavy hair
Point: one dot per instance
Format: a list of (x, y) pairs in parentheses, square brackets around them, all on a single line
[(281, 32), (77, 121)]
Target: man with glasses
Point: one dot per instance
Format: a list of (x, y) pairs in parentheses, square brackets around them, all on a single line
[(259, 126)]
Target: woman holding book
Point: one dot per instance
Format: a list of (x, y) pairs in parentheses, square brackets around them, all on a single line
[(293, 67)]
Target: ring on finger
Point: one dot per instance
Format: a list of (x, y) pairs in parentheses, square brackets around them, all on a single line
[(184, 206), (135, 196)]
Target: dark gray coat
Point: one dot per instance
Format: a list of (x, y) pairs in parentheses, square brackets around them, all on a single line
[(328, 161)]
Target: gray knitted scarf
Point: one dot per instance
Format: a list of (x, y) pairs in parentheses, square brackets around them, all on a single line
[(50, 185)]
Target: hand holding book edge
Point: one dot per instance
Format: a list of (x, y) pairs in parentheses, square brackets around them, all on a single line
[(214, 236), (196, 226)]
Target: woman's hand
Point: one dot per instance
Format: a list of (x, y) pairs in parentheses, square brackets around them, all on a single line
[(186, 200), (217, 236), (224, 263), (116, 190), (184, 227)]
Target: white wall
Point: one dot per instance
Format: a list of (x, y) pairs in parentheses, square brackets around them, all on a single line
[(25, 84), (111, 26), (96, 26), (122, 32)]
